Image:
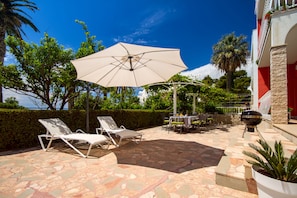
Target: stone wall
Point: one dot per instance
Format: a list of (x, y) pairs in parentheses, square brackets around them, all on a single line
[(278, 84), (233, 119)]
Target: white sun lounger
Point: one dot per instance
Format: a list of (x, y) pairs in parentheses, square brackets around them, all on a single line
[(57, 129), (108, 125)]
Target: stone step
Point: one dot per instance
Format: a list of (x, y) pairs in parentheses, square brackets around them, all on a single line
[(225, 176), (287, 130), (233, 171), (271, 135), (230, 171)]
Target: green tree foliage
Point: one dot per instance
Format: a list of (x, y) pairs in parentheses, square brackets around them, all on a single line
[(12, 17), (159, 100), (229, 54), (43, 71), (87, 47), (207, 80), (241, 82), (81, 101), (211, 97), (124, 98), (161, 94), (11, 103), (222, 82), (91, 45), (182, 84)]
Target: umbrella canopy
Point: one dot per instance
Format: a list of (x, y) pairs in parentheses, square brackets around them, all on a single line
[(129, 65)]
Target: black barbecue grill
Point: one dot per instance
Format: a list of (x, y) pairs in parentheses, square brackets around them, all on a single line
[(251, 120)]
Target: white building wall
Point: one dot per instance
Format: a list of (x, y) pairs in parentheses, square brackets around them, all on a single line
[(254, 73), (281, 24)]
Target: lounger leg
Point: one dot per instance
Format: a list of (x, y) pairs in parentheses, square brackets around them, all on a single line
[(74, 148), (138, 139), (119, 142), (113, 141), (49, 144), (89, 150), (42, 144), (244, 131)]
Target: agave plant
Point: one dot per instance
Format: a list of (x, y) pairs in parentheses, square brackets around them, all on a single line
[(272, 161)]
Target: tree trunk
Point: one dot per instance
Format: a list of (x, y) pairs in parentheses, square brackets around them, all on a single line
[(229, 81), (70, 104), (2, 53), (71, 99)]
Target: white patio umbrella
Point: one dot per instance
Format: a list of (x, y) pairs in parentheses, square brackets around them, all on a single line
[(129, 65)]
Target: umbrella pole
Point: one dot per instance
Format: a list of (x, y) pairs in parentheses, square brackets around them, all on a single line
[(174, 99), (87, 109)]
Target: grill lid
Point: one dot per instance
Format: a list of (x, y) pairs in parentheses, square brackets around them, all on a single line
[(250, 117)]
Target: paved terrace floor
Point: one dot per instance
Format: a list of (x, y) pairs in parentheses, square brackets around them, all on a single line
[(163, 165)]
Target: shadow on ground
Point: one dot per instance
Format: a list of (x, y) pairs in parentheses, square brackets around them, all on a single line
[(18, 151), (169, 155)]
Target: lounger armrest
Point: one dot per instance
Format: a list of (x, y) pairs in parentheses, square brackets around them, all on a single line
[(79, 131), (99, 130)]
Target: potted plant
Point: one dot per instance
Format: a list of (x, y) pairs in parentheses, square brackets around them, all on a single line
[(275, 175), (290, 109)]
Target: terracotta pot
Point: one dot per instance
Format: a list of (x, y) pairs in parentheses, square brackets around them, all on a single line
[(269, 187)]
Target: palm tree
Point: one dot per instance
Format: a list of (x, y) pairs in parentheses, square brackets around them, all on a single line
[(229, 54), (12, 17)]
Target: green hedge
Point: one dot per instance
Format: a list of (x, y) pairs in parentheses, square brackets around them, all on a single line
[(20, 128)]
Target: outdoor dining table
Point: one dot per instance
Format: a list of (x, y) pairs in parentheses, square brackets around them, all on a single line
[(185, 118)]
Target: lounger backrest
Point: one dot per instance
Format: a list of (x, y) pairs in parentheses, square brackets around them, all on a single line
[(55, 126), (107, 122)]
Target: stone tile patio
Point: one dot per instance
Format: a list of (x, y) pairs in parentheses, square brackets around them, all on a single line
[(165, 164)]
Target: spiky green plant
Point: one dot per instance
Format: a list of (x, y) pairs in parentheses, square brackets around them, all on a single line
[(273, 162)]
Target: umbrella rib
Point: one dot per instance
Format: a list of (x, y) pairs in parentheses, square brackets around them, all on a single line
[(114, 68), (148, 60), (155, 51), (129, 57), (107, 64), (139, 64), (143, 53)]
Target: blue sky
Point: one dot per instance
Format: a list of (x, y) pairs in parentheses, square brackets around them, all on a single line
[(193, 26)]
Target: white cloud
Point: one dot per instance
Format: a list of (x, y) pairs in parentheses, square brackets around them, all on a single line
[(145, 28), (25, 101), (201, 72), (153, 20), (142, 95), (22, 99), (9, 58), (211, 70)]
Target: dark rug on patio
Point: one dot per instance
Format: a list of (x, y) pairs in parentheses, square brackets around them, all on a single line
[(169, 155)]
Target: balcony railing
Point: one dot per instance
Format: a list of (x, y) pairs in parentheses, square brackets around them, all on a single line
[(232, 110), (283, 4), (270, 7)]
